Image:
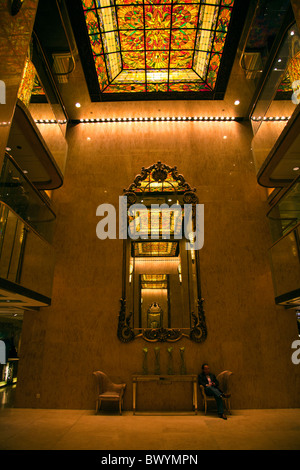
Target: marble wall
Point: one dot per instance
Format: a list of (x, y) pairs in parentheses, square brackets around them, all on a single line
[(63, 344), (15, 34)]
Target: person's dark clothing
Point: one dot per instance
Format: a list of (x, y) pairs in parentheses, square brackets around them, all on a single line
[(212, 390), (202, 379)]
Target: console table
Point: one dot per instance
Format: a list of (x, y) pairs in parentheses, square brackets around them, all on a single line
[(165, 379)]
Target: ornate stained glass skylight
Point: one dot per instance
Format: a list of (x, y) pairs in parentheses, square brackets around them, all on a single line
[(156, 46)]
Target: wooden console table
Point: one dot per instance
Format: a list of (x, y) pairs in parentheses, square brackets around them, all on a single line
[(167, 379)]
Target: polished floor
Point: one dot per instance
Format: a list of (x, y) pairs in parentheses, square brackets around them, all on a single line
[(40, 429)]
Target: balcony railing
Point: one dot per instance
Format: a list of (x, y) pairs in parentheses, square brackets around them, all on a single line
[(26, 262), (19, 194), (285, 266), (285, 213)]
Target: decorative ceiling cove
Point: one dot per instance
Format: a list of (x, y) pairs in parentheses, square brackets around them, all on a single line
[(153, 49)]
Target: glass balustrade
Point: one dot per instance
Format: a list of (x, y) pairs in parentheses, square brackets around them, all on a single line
[(18, 193), (276, 104), (285, 267), (286, 212), (26, 258)]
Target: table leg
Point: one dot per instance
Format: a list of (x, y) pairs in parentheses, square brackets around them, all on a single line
[(195, 397), (134, 397)]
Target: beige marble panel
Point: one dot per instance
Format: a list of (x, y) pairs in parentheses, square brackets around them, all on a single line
[(15, 34)]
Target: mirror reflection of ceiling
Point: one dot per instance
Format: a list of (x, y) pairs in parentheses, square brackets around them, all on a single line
[(155, 249), (152, 48), (155, 222), (154, 281)]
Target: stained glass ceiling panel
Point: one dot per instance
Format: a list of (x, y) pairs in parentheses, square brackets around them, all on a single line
[(156, 46)]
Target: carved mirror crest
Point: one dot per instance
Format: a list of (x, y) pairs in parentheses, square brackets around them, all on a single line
[(161, 289)]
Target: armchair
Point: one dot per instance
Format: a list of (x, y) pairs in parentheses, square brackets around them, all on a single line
[(224, 385), (108, 391)]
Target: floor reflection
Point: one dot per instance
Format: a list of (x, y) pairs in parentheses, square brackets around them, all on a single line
[(7, 396)]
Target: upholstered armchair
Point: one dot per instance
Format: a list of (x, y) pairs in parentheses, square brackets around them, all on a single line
[(108, 391), (224, 385)]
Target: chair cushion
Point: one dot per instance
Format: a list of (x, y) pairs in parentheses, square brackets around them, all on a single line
[(109, 395)]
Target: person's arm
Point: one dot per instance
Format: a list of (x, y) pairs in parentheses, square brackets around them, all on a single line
[(215, 380)]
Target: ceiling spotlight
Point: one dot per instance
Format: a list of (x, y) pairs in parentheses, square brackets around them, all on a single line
[(296, 168), (224, 136), (292, 33), (25, 171), (78, 105), (88, 138), (8, 149), (236, 102)]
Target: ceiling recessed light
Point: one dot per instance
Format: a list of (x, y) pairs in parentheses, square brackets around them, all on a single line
[(25, 171), (292, 33), (236, 102), (78, 105), (279, 60), (296, 168), (8, 149), (224, 136), (88, 138)]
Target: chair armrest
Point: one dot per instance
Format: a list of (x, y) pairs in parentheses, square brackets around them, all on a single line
[(119, 388), (202, 391)]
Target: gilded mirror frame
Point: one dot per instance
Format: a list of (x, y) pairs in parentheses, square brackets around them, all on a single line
[(198, 331)]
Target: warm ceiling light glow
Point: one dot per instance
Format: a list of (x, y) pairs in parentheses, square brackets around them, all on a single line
[(296, 168), (224, 136), (236, 102), (88, 138), (174, 118), (8, 149), (78, 105), (292, 33)]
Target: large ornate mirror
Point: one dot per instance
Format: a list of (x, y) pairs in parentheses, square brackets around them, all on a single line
[(161, 293)]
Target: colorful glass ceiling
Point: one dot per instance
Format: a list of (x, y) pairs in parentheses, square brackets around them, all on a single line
[(157, 46)]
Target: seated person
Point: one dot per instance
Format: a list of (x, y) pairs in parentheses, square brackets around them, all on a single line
[(211, 388)]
